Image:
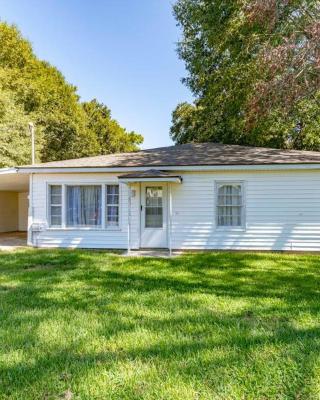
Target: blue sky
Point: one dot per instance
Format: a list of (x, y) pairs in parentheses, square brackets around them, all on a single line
[(121, 52)]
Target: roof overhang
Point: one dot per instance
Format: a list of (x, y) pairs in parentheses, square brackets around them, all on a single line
[(150, 175), (12, 181), (247, 167), (136, 180)]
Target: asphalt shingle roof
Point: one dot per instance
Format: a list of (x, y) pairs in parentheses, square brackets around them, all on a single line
[(191, 155), (150, 173)]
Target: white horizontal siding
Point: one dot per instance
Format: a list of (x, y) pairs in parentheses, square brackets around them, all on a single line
[(282, 212), (135, 217), (84, 238)]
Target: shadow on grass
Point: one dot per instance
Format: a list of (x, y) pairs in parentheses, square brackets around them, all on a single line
[(182, 306)]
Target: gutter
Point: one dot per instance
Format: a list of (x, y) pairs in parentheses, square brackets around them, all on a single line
[(4, 171)]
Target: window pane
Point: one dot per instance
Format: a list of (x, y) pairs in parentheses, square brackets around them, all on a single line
[(56, 211), (154, 209), (154, 217), (229, 205), (113, 194), (230, 190), (55, 221), (112, 215), (236, 190), (113, 199), (83, 206), (56, 190), (112, 205), (55, 194), (55, 199), (112, 189), (55, 205)]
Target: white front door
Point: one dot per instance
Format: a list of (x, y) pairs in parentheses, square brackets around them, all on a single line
[(154, 215)]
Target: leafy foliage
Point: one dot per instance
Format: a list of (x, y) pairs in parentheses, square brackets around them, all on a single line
[(14, 147), (254, 69), (35, 90), (111, 137)]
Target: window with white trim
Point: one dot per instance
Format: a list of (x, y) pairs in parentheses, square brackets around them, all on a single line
[(55, 205), (230, 204), (83, 206), (112, 205), (154, 207)]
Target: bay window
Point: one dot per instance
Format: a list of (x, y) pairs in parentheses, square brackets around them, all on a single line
[(230, 204)]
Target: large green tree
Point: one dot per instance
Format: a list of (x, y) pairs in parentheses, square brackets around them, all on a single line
[(111, 137), (38, 92), (254, 70), (14, 140)]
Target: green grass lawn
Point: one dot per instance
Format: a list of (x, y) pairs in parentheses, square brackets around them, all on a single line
[(94, 325)]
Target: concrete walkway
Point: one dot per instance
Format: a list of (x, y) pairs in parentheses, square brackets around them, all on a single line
[(12, 241), (157, 253)]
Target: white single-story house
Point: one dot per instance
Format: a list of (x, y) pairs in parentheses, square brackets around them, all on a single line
[(192, 196)]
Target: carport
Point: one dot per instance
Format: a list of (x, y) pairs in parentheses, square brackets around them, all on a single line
[(14, 191)]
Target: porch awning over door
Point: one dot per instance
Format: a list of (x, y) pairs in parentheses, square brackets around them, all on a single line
[(151, 175)]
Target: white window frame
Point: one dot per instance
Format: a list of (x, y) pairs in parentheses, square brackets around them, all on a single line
[(89, 227), (241, 227), (145, 206), (109, 226), (103, 226), (49, 205)]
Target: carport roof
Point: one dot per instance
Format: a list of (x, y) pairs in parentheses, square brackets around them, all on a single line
[(12, 181)]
